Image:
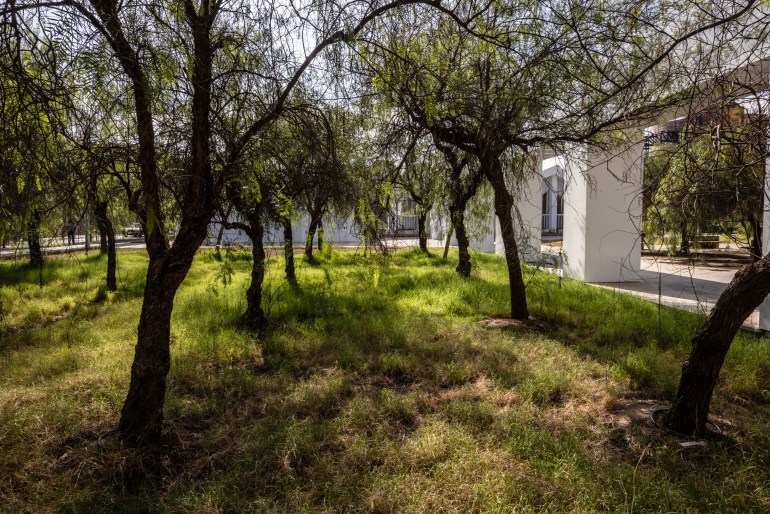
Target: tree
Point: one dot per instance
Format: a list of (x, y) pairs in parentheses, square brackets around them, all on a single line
[(710, 178), (30, 123), (464, 178), (329, 185), (421, 177), (247, 195), (530, 74), (745, 43), (101, 188), (185, 64), (685, 201), (299, 164), (467, 102), (745, 292)]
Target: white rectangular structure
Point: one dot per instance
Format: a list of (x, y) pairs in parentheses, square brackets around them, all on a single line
[(764, 308), (603, 213), (527, 209)]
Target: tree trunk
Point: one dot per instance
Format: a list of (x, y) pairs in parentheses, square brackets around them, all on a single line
[(421, 232), (33, 239), (464, 262), (448, 238), (309, 240), (700, 371), (102, 238), (100, 213), (461, 191), (218, 244), (254, 314), (320, 233), (685, 243), (112, 261), (288, 252), (107, 242), (756, 240), (221, 233), (503, 210), (142, 415)]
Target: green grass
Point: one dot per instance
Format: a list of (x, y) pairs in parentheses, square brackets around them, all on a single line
[(374, 389)]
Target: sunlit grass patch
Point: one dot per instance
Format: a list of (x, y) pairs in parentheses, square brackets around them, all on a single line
[(373, 388)]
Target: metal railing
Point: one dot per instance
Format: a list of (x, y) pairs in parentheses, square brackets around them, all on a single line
[(400, 224)]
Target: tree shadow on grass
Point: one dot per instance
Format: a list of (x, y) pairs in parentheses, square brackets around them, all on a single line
[(347, 387), (339, 403)]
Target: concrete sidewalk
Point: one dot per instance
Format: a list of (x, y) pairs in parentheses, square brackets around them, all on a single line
[(693, 286)]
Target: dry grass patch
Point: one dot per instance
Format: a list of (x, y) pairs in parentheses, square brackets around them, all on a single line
[(364, 397)]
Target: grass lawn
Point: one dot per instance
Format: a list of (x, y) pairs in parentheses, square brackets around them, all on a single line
[(376, 388)]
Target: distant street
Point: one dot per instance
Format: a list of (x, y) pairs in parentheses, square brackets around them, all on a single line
[(54, 246)]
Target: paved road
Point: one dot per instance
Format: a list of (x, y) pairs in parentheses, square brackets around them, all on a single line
[(22, 253)]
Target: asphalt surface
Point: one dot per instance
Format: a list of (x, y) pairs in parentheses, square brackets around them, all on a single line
[(52, 248)]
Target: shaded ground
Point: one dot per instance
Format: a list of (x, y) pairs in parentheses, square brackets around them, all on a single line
[(375, 389)]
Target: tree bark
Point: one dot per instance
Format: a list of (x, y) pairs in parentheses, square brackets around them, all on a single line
[(142, 415), (102, 237), (100, 215), (320, 233), (311, 230), (700, 371), (464, 263), (288, 252), (448, 238), (112, 260), (33, 239), (492, 168), (254, 314), (107, 242), (756, 240), (421, 232)]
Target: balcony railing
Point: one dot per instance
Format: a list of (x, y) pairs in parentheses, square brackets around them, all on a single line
[(401, 225)]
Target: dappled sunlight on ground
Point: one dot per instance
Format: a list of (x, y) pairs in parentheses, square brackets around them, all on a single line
[(381, 384)]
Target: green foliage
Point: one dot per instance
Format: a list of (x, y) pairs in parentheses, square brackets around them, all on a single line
[(703, 184)]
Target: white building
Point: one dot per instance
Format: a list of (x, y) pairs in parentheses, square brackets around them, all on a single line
[(552, 196)]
